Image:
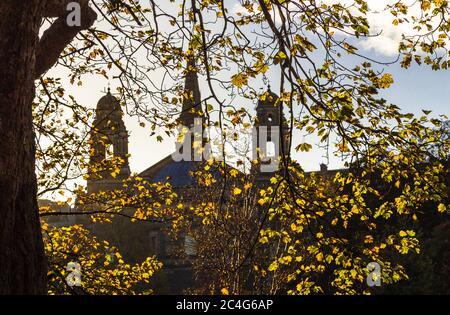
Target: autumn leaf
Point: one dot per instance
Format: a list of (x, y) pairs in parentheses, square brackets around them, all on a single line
[(239, 80)]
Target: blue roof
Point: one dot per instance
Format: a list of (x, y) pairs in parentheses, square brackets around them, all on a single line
[(177, 173)]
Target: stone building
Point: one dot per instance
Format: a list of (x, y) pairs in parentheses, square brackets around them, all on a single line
[(139, 240)]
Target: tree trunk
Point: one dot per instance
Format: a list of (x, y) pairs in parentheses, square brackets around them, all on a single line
[(22, 259)]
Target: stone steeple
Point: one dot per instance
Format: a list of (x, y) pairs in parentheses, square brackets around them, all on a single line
[(109, 139), (192, 117), (192, 107)]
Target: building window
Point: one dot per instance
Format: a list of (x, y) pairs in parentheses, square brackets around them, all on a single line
[(270, 149), (190, 246)]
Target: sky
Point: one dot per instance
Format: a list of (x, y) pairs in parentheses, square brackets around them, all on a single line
[(413, 90)]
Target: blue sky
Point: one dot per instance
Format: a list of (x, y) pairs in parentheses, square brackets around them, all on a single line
[(414, 89), (420, 88)]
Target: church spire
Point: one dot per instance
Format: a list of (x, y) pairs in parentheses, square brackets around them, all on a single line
[(192, 107)]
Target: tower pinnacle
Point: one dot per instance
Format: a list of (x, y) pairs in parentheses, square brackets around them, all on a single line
[(192, 107)]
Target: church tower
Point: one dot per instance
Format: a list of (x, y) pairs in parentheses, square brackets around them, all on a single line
[(109, 139), (192, 106), (192, 116), (270, 137)]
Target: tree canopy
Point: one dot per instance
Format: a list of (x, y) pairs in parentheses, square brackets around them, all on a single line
[(302, 233)]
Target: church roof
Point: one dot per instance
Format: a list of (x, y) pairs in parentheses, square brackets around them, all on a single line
[(177, 173)]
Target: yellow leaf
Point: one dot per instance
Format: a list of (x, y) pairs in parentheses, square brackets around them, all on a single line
[(426, 5), (261, 67), (273, 266), (234, 172), (319, 256), (293, 227), (329, 259), (239, 79), (343, 147), (385, 81)]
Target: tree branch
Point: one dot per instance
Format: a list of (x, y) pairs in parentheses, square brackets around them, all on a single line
[(59, 34), (58, 8)]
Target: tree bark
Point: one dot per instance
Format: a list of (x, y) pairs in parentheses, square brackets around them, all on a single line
[(22, 259), (59, 34), (23, 58)]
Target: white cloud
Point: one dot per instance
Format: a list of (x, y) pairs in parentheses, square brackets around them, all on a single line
[(380, 21), (389, 37)]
